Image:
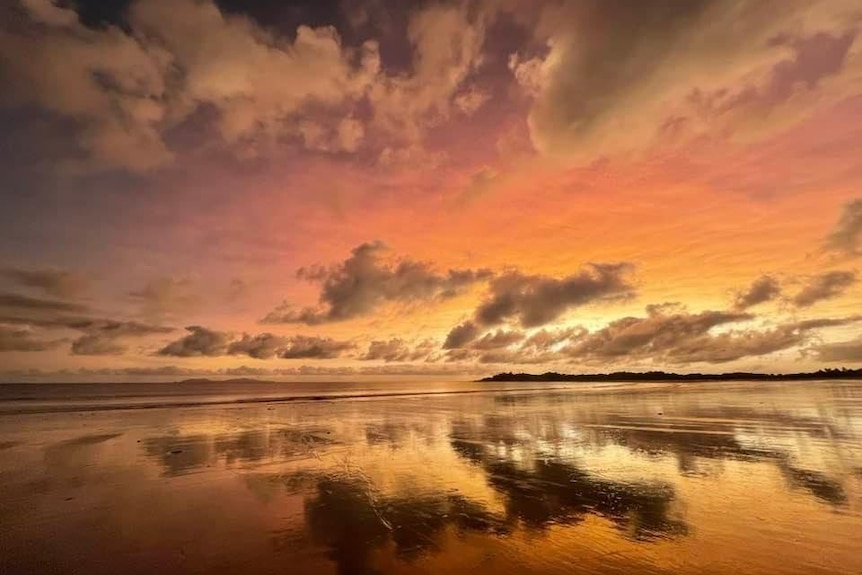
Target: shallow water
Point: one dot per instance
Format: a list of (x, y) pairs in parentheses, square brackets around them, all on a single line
[(754, 478)]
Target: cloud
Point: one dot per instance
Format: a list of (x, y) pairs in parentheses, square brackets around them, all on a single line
[(305, 347), (98, 336), (56, 283), (669, 334), (12, 339), (263, 346), (664, 329), (460, 335), (396, 349), (619, 75), (497, 340), (825, 286), (364, 282), (199, 342), (170, 63), (846, 238), (550, 340), (843, 351), (206, 342), (512, 346), (764, 289), (105, 337), (113, 83), (537, 300), (17, 302), (447, 46), (167, 296)]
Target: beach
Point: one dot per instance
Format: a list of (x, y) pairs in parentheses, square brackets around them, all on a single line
[(425, 477)]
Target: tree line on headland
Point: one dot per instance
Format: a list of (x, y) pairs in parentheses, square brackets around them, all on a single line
[(842, 373)]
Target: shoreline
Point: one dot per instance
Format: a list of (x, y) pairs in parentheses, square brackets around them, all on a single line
[(661, 376)]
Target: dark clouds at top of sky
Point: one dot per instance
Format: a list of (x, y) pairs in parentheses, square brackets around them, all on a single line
[(621, 74), (602, 75), (131, 85)]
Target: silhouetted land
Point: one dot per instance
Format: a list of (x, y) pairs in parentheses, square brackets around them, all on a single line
[(842, 373)]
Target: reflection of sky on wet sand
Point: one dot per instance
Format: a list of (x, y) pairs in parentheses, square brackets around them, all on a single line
[(695, 479)]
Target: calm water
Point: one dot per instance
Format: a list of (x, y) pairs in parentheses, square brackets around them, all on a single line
[(690, 478)]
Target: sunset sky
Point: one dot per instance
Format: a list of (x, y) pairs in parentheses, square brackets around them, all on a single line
[(359, 188)]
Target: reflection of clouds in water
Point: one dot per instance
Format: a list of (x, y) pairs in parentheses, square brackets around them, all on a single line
[(346, 514), (180, 454), (395, 433), (731, 434), (353, 520), (73, 463), (818, 484), (540, 492), (808, 446)]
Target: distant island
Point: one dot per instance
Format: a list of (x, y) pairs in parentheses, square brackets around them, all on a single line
[(842, 373)]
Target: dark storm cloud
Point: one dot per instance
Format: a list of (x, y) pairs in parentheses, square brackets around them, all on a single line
[(305, 347), (24, 340), (537, 300), (846, 238), (60, 284), (364, 282), (397, 349), (764, 289), (824, 286), (199, 342), (460, 335)]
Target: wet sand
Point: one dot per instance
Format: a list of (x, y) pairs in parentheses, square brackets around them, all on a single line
[(708, 478)]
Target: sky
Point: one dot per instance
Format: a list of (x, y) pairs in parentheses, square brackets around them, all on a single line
[(327, 188)]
